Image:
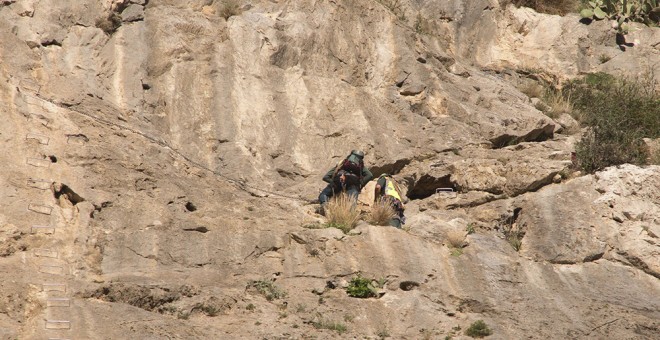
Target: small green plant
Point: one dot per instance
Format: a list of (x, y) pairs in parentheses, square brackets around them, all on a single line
[(322, 323), (456, 252), (268, 289), (361, 287), (470, 228), (210, 310), (383, 333), (478, 329), (314, 225), (342, 213), (348, 318), (183, 315), (250, 307), (514, 236), (301, 308)]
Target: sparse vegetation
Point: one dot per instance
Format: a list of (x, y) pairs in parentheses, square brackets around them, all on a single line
[(422, 25), (322, 323), (313, 225), (604, 58), (183, 315), (514, 236), (623, 11), (456, 252), (478, 329), (619, 114), (559, 7), (230, 8), (395, 7), (532, 89), (381, 213), (209, 310), (383, 333), (250, 307), (456, 239), (552, 101), (342, 213), (110, 23), (268, 289), (361, 287), (470, 228), (556, 103)]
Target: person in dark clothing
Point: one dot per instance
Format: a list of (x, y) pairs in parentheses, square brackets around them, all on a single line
[(388, 190), (349, 176)]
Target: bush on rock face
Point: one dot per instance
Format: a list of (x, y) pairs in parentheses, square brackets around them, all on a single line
[(478, 329), (619, 114), (342, 213), (361, 287)]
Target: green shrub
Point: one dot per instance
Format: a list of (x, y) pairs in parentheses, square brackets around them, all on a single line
[(623, 11), (328, 324), (478, 329), (268, 289), (619, 113), (361, 287)]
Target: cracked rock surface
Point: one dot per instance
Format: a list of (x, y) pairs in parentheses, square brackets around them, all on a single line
[(160, 160)]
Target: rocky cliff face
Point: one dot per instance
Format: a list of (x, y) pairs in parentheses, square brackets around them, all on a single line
[(161, 158)]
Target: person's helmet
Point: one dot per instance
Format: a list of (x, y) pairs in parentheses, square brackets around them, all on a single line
[(358, 153)]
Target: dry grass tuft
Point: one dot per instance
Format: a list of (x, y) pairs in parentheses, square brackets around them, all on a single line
[(557, 104), (456, 239), (381, 213), (342, 213), (532, 89), (230, 8)]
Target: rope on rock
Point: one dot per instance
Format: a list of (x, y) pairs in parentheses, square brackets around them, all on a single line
[(240, 184)]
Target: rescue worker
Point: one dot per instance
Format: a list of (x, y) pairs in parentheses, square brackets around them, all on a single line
[(387, 189), (350, 176)]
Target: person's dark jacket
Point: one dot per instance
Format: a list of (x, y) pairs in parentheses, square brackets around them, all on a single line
[(366, 176)]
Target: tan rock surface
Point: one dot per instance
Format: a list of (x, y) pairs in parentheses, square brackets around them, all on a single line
[(159, 162)]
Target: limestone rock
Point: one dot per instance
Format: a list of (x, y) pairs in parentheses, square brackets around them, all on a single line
[(160, 173)]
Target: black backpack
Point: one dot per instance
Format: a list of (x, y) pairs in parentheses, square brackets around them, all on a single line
[(353, 164), (351, 168)]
